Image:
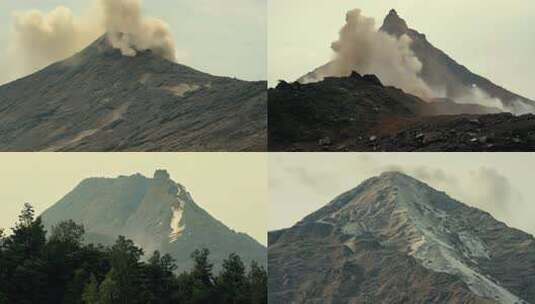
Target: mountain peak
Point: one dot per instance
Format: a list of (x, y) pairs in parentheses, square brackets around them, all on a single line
[(399, 179), (393, 13), (152, 213), (161, 174), (394, 24), (390, 174), (392, 222)]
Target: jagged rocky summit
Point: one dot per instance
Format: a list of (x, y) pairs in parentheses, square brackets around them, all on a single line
[(394, 239), (156, 213)]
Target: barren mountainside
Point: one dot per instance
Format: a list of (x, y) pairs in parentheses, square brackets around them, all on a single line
[(326, 111), (156, 213), (359, 113), (100, 100), (394, 239), (441, 71)]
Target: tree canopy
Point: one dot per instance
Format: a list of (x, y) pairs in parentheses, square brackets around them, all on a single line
[(63, 269)]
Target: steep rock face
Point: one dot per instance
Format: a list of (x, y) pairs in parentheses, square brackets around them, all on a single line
[(442, 72), (99, 100), (156, 213), (394, 239)]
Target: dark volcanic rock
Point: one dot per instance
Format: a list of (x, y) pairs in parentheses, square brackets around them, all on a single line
[(99, 100), (394, 239), (350, 111), (157, 214)]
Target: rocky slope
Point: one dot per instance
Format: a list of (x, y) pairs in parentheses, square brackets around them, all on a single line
[(358, 113), (156, 213), (99, 100), (441, 71), (394, 239)]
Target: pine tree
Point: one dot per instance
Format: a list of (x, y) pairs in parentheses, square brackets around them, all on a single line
[(68, 232), (90, 294), (232, 281), (109, 292), (23, 265), (202, 280), (29, 235), (258, 281), (124, 259), (63, 270)]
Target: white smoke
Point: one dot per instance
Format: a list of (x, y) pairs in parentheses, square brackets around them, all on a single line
[(129, 31), (362, 48), (41, 38), (38, 38), (475, 95)]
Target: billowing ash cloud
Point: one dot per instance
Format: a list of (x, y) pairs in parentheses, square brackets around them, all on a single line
[(362, 48), (41, 38), (130, 32), (38, 39)]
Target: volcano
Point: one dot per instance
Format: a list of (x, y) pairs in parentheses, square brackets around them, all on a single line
[(156, 213), (100, 100), (441, 71), (394, 239), (325, 111)]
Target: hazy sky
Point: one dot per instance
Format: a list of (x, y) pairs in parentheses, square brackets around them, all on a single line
[(493, 38), (230, 186), (499, 183), (220, 37)]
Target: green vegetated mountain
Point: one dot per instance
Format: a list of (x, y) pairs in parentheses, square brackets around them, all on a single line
[(358, 113), (156, 213), (394, 239), (100, 100)]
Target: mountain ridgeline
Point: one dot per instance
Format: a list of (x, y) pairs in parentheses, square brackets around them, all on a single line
[(440, 70), (100, 100), (156, 213), (394, 239)]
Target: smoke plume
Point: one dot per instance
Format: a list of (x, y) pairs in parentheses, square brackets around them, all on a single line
[(38, 39), (362, 48), (130, 32), (41, 38), (476, 95)]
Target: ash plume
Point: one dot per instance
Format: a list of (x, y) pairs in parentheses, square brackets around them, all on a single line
[(362, 48), (40, 38), (129, 31)]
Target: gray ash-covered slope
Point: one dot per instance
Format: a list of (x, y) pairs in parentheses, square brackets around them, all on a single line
[(394, 239), (100, 100), (358, 113), (156, 213), (441, 71)]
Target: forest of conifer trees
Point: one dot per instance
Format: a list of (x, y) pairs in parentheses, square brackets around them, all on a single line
[(61, 268)]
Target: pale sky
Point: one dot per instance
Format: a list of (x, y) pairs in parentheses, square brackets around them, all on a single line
[(493, 38), (232, 187), (226, 38), (499, 183)]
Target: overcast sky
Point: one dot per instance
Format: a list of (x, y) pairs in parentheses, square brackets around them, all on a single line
[(493, 38), (230, 186), (499, 183), (226, 38)]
